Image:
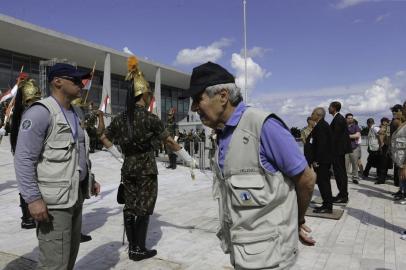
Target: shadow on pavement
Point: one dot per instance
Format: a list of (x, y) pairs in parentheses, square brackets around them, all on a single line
[(97, 218), (368, 218), (377, 194), (155, 229), (23, 263), (103, 257), (380, 190)]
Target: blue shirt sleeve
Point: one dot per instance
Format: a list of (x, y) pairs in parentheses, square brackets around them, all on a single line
[(31, 136), (279, 151)]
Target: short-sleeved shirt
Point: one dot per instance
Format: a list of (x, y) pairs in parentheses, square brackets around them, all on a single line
[(352, 130), (148, 133), (278, 150)]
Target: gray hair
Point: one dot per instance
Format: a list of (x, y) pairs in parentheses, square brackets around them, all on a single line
[(320, 112), (234, 92)]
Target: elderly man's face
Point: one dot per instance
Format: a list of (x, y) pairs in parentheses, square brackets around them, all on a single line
[(209, 109), (397, 114)]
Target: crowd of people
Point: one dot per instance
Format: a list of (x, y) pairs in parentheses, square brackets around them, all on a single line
[(338, 146)]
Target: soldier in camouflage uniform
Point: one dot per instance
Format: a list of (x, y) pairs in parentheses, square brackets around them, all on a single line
[(90, 125), (171, 127), (28, 92), (138, 132)]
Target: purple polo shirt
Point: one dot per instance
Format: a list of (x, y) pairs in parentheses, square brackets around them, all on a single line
[(352, 130), (279, 150)]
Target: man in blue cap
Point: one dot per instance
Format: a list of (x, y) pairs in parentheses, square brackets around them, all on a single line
[(53, 168), (263, 193)]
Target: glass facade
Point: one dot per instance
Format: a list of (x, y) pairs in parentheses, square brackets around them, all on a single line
[(11, 63)]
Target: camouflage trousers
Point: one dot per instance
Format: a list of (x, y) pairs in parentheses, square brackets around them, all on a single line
[(140, 193)]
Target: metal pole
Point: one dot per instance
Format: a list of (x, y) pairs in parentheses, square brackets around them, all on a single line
[(245, 51)]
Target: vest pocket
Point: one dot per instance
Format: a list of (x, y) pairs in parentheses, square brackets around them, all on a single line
[(54, 191), (401, 143), (248, 191), (59, 151), (257, 250)]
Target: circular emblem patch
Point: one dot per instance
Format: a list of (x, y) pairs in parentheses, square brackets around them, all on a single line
[(26, 124), (245, 196)]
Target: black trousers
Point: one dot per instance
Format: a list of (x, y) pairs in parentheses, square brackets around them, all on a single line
[(372, 161), (323, 182), (340, 175), (396, 175)]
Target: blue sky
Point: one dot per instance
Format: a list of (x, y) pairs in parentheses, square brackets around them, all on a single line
[(303, 53)]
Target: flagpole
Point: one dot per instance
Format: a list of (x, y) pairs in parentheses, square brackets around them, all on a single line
[(88, 90), (245, 52)]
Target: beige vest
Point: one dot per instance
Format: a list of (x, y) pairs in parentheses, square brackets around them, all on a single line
[(373, 142), (398, 146), (58, 169), (258, 209)]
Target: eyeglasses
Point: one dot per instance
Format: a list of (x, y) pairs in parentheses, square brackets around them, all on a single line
[(76, 81)]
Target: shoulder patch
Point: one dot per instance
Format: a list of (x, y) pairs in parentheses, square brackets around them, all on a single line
[(26, 124)]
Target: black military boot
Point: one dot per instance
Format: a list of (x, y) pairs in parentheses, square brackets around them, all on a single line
[(27, 222), (140, 252), (129, 223), (173, 161)]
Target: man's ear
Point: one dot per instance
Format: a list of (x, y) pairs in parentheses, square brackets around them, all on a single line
[(223, 96)]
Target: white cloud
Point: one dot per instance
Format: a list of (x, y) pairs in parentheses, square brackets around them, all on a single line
[(255, 52), (350, 3), (127, 50), (363, 100), (202, 54), (382, 17), (254, 71)]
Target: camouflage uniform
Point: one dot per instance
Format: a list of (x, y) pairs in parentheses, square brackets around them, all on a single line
[(171, 127), (90, 122), (139, 171)]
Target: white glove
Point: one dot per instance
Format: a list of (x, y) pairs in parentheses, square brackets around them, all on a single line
[(2, 132), (187, 158), (115, 153)]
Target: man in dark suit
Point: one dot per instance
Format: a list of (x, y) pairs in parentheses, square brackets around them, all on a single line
[(322, 157), (341, 146)]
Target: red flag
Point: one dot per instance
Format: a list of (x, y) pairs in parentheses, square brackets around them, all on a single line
[(103, 105), (152, 105)]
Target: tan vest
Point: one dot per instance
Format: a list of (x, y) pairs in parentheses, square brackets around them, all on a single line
[(398, 146), (258, 209), (58, 167)]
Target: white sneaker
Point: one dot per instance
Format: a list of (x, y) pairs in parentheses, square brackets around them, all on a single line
[(403, 237)]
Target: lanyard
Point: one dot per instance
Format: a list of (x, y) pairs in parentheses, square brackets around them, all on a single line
[(74, 132)]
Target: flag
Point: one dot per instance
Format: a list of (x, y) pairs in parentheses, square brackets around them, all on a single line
[(152, 105), (87, 83), (11, 93), (103, 105), (5, 96)]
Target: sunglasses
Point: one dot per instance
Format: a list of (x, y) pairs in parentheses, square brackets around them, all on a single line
[(75, 81)]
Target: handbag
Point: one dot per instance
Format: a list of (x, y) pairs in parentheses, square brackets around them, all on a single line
[(120, 194)]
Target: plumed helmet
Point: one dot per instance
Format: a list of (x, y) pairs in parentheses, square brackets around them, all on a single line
[(77, 102), (30, 91), (136, 77)]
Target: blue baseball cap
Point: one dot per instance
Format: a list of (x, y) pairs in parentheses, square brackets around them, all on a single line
[(62, 69)]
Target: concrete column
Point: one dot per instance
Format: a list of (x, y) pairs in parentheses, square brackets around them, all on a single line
[(157, 92)]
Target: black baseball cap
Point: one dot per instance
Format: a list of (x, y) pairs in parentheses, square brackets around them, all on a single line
[(62, 69), (206, 75), (396, 108)]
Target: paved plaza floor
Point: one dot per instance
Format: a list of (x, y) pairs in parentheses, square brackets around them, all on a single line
[(185, 220)]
